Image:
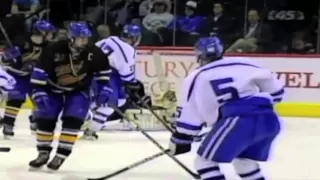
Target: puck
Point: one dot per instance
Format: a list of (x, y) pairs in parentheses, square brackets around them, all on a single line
[(4, 149)]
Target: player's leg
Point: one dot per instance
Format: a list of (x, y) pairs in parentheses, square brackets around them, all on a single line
[(102, 114), (33, 124), (75, 111), (246, 165), (224, 143), (46, 120), (13, 105)]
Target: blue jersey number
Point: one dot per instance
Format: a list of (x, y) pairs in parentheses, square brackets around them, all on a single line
[(178, 112), (133, 68), (220, 88)]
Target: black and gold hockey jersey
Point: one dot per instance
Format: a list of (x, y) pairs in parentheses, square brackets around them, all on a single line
[(67, 71)]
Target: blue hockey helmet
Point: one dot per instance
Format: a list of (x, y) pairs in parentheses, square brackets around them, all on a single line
[(79, 34), (209, 49), (45, 26), (11, 53), (132, 32), (45, 29), (79, 30)]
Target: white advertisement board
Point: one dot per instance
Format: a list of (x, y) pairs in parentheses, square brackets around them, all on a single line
[(300, 75)]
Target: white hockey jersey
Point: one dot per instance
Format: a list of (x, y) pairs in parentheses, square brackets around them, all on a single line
[(220, 84), (7, 82), (121, 56)]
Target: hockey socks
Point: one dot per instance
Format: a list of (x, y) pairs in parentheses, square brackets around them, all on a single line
[(69, 135), (45, 136), (10, 114)]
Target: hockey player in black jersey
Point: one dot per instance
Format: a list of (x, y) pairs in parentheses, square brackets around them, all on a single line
[(61, 83), (19, 62)]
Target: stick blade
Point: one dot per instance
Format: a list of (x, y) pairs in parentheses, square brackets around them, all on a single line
[(5, 149)]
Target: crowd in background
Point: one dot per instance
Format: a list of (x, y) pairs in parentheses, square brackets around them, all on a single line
[(270, 26)]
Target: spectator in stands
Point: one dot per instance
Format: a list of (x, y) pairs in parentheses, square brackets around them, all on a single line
[(158, 18), (299, 45), (124, 11), (146, 6), (257, 38), (186, 27), (217, 25), (26, 6), (103, 31)]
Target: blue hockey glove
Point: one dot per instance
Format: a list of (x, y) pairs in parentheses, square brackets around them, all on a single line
[(180, 143), (41, 99), (103, 96), (11, 54)]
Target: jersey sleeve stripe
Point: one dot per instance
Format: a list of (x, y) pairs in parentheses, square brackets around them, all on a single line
[(188, 128), (213, 67), (128, 78), (38, 77), (278, 93), (127, 75), (121, 50), (277, 96)]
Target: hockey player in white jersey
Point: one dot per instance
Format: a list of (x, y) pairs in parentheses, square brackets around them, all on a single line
[(244, 93), (7, 83), (121, 56)]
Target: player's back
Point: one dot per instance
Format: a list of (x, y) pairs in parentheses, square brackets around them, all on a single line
[(236, 85), (121, 56)]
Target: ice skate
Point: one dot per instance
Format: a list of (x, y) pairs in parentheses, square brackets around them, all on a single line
[(55, 163), (7, 132), (40, 161), (90, 135)]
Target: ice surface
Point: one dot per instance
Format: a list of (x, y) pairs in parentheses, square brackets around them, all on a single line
[(296, 155)]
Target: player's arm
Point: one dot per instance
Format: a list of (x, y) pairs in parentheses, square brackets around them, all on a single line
[(101, 66), (39, 77), (101, 71), (133, 86), (188, 122), (268, 82)]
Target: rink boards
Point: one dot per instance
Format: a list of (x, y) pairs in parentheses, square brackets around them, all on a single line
[(164, 69)]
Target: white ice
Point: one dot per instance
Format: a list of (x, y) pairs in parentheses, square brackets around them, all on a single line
[(296, 155)]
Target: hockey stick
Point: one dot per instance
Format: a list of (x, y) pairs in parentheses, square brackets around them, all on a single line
[(165, 151), (156, 143), (127, 168), (4, 32), (122, 170)]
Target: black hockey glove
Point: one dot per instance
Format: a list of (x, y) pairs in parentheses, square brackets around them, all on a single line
[(137, 94), (28, 66), (180, 143)]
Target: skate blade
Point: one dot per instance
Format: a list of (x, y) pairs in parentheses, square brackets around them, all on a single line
[(34, 169), (51, 171), (72, 177), (7, 137), (88, 138)]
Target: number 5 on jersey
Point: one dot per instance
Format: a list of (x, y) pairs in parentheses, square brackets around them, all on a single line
[(223, 91)]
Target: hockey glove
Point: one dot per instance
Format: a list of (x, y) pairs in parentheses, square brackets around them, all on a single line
[(41, 100), (180, 143), (136, 93), (28, 66), (103, 96)]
